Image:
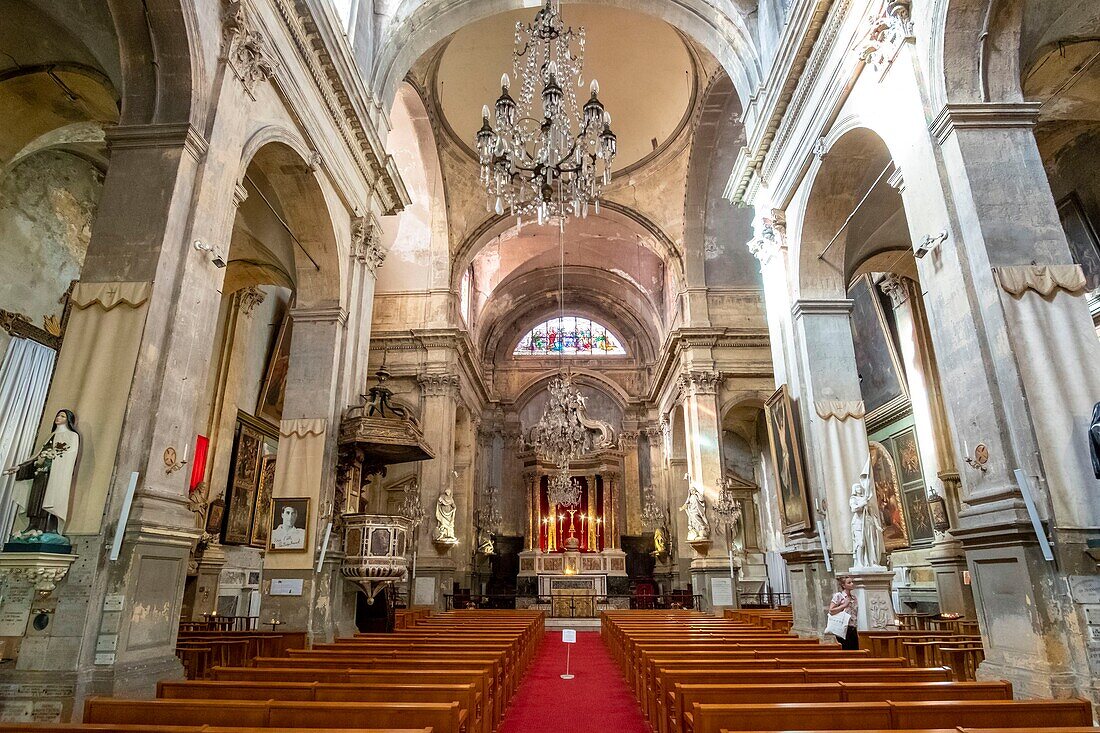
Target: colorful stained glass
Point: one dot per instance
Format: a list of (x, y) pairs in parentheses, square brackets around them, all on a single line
[(569, 336)]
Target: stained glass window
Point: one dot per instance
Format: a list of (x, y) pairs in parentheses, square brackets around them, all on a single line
[(569, 336)]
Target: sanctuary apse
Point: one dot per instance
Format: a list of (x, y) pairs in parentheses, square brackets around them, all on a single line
[(846, 250)]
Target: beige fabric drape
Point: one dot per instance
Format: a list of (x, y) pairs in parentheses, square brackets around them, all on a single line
[(298, 472), (1042, 279), (842, 452), (94, 373), (1061, 377), (839, 410)]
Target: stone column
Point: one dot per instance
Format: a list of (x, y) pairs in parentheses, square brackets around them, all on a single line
[(933, 440), (632, 492), (306, 468), (439, 392), (998, 290)]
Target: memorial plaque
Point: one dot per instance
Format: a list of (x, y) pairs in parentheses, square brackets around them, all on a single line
[(15, 611)]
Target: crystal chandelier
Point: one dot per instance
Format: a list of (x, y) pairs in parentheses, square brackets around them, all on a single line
[(551, 162), (489, 516), (560, 436), (729, 506), (652, 514), (563, 490)]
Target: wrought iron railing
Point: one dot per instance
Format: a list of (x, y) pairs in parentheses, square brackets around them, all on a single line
[(575, 606), (766, 599)]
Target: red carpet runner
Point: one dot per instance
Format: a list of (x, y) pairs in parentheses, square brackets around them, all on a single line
[(596, 701)]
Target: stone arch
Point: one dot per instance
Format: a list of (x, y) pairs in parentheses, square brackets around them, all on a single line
[(296, 196), (417, 25), (417, 238), (714, 231), (848, 200), (583, 376), (649, 233)]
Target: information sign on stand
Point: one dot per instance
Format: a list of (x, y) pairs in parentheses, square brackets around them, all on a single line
[(568, 636)]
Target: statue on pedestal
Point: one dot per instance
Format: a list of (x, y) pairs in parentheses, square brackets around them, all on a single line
[(695, 506), (51, 474), (445, 511), (867, 538)]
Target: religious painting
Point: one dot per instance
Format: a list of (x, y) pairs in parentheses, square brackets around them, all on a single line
[(786, 456), (273, 392), (261, 524), (242, 486), (919, 514), (1084, 243), (881, 380), (895, 533), (908, 457), (290, 519)]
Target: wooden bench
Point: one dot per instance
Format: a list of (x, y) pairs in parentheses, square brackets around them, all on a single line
[(440, 717), (465, 695), (706, 718)]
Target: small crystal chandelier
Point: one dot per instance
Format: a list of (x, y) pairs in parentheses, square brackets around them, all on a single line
[(653, 516), (560, 436), (563, 490), (553, 163), (729, 506)]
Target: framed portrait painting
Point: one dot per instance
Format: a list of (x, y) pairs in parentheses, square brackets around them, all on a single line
[(786, 454), (289, 524)]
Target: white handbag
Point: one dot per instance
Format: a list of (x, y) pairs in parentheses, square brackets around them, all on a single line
[(838, 624)]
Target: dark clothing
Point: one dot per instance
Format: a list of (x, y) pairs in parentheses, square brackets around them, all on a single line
[(851, 641), (1094, 439)]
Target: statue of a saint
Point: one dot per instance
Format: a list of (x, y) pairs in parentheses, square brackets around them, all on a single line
[(867, 539), (445, 510), (695, 506), (485, 545), (51, 475), (660, 546)]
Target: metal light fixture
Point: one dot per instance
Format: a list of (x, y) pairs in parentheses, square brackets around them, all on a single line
[(653, 516), (563, 490), (554, 162)]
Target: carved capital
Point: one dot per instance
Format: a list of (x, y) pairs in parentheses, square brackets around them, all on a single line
[(700, 382), (245, 47), (629, 439), (438, 385), (896, 287), (249, 298), (366, 242)]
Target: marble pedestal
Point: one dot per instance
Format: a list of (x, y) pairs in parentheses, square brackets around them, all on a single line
[(872, 591), (705, 573)]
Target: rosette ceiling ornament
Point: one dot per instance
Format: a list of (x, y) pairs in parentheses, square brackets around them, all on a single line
[(551, 163)]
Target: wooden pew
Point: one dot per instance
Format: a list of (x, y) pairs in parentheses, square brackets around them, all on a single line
[(1044, 714), (440, 717), (465, 695)]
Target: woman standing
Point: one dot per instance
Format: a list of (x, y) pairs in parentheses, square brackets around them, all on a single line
[(843, 600)]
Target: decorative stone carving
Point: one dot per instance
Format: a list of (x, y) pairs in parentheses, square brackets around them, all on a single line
[(445, 511), (890, 27), (771, 240), (628, 439), (246, 48), (695, 506), (896, 287), (867, 538), (700, 382), (438, 385), (43, 570), (250, 298), (366, 242)]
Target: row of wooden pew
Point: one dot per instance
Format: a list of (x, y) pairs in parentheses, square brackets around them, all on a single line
[(698, 674), (447, 673)]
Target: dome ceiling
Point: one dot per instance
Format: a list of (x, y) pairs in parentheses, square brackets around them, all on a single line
[(646, 74)]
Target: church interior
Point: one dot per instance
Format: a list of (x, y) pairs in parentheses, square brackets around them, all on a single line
[(368, 364)]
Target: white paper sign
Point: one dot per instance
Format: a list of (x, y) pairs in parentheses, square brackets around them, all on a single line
[(721, 592), (569, 636), (424, 592), (286, 586)]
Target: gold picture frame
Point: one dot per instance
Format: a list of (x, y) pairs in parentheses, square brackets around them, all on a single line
[(261, 523), (786, 454)]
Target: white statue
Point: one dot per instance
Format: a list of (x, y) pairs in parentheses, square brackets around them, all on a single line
[(45, 483), (695, 506), (867, 539), (445, 511)]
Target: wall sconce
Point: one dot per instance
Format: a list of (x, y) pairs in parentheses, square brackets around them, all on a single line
[(171, 465), (980, 458)]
